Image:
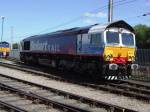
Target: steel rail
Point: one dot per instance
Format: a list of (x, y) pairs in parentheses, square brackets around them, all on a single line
[(86, 100), (11, 107), (124, 92), (130, 88), (28, 69), (134, 84), (31, 70), (42, 100)]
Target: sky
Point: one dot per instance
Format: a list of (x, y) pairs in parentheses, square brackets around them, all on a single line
[(33, 17)]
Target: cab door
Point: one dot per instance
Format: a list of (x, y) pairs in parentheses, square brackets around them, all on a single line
[(79, 43)]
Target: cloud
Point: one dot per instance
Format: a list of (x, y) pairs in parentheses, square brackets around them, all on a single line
[(96, 15), (89, 21)]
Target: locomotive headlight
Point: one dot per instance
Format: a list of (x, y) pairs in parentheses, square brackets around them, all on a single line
[(109, 57), (131, 56)]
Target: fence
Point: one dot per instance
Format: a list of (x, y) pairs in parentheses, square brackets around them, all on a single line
[(15, 53), (143, 59)]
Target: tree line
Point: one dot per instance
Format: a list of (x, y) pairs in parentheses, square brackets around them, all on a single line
[(142, 36)]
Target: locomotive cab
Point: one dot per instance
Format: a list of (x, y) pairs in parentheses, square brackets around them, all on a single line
[(119, 46), (119, 49)]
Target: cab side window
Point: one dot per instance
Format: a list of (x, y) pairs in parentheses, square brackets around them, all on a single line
[(96, 39), (27, 45)]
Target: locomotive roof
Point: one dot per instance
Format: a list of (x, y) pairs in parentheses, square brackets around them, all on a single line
[(116, 24), (78, 30), (4, 42)]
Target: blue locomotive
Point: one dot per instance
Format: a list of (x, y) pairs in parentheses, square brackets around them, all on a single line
[(107, 50)]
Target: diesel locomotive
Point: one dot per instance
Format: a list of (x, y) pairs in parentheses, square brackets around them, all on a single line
[(4, 49), (105, 50)]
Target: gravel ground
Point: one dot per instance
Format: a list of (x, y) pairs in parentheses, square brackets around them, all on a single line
[(22, 103), (80, 90), (142, 82)]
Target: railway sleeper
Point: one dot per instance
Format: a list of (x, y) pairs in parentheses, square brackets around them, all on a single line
[(72, 96)]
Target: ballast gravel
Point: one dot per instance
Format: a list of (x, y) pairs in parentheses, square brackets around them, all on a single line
[(107, 97)]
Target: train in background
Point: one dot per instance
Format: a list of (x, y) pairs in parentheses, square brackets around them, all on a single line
[(105, 50), (4, 49)]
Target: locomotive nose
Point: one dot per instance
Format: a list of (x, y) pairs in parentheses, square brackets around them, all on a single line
[(119, 54)]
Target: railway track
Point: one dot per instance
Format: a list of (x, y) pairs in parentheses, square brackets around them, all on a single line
[(45, 97), (121, 87), (14, 100), (140, 92)]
